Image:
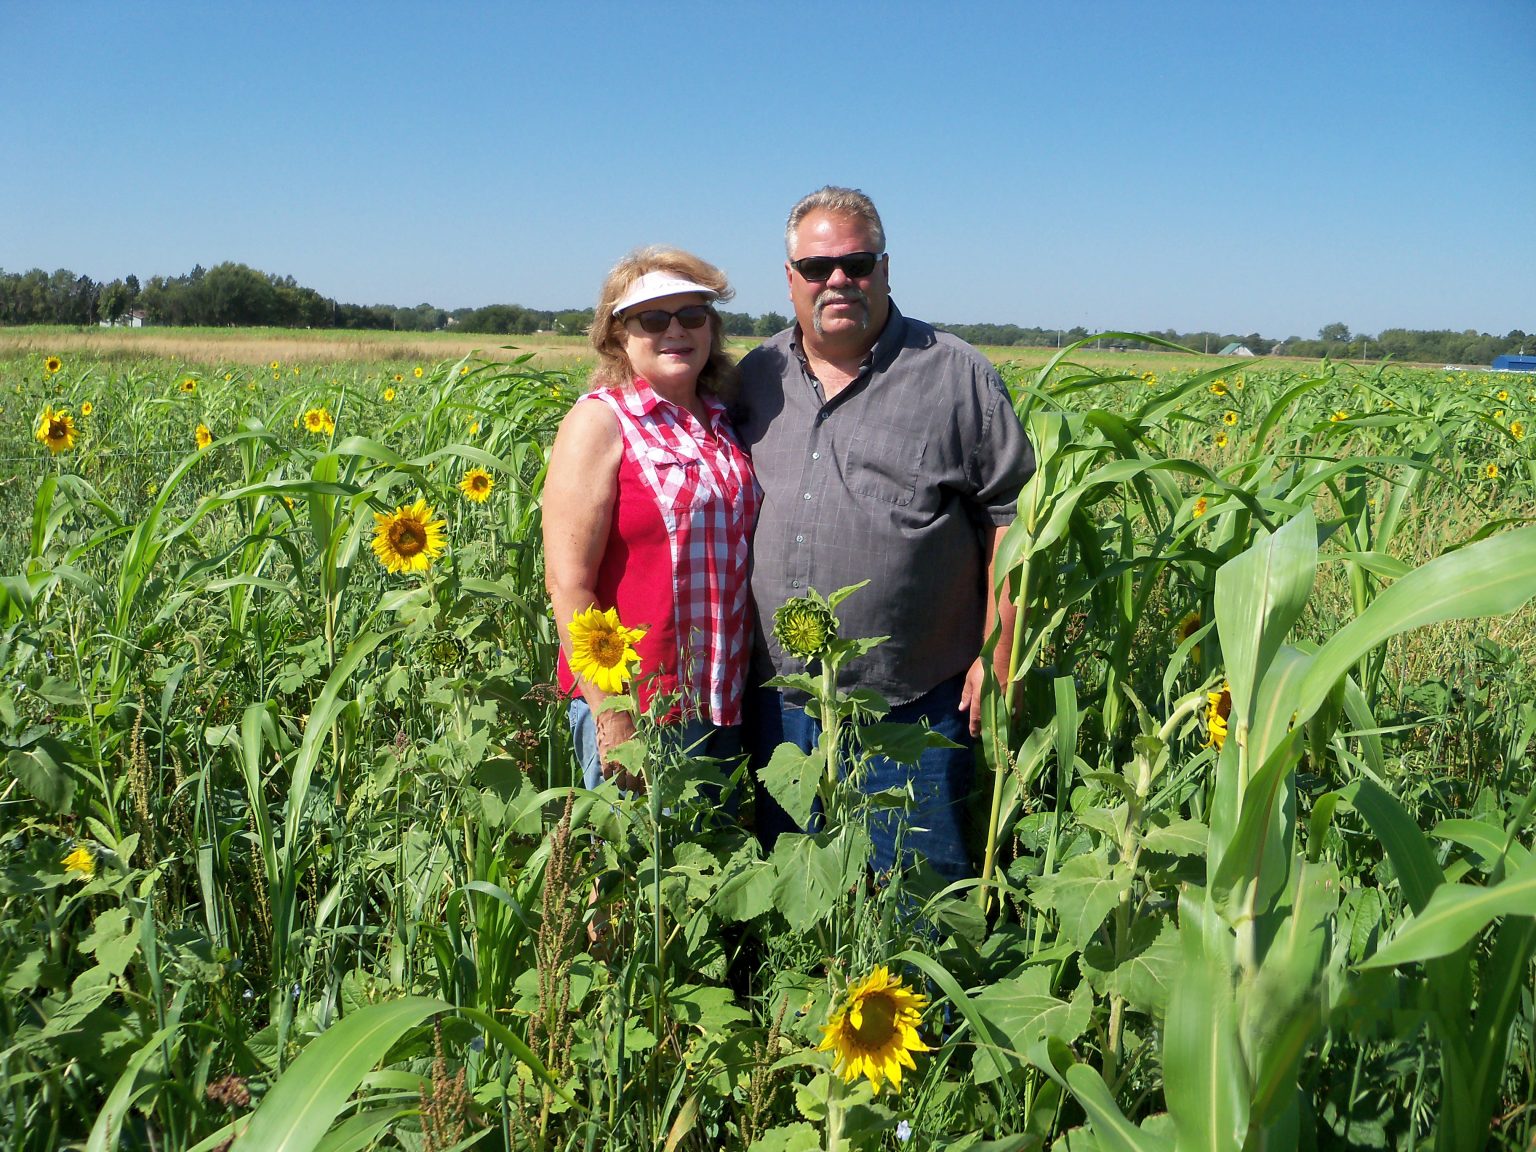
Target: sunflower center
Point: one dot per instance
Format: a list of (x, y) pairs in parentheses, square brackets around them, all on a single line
[(480, 483), (877, 1023), (607, 649), (407, 538), (57, 430)]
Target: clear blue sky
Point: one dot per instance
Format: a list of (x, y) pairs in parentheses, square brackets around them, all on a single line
[(1233, 166)]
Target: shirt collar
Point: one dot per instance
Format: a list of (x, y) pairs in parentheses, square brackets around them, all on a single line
[(641, 400), (884, 349)]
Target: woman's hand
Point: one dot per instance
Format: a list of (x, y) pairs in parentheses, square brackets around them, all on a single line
[(614, 727)]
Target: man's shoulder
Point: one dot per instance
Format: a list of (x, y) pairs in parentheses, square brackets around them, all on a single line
[(771, 355), (763, 372), (922, 340)]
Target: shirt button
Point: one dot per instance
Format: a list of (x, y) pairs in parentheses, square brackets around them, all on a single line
[(794, 583), (807, 495), (815, 455), (799, 539)]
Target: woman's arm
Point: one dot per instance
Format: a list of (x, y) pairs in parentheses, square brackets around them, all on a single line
[(579, 492)]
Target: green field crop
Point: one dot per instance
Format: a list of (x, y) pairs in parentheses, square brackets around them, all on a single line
[(293, 851)]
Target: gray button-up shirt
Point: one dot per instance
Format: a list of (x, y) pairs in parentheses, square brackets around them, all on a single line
[(896, 480)]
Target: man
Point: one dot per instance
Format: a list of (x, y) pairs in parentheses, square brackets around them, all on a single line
[(890, 452)]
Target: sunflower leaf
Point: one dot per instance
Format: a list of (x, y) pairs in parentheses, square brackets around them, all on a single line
[(791, 778), (1081, 894), (42, 766)]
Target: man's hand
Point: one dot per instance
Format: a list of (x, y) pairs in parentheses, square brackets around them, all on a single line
[(970, 695)]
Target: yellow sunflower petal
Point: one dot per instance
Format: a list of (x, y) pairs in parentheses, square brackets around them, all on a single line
[(408, 539)]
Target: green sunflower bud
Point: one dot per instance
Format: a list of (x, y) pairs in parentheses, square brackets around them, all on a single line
[(804, 627)]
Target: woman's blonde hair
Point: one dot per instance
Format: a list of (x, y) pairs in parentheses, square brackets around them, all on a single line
[(613, 367)]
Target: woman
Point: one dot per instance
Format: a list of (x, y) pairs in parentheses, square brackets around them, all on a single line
[(649, 503)]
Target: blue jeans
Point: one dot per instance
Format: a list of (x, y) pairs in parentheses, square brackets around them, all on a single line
[(717, 742), (935, 827)]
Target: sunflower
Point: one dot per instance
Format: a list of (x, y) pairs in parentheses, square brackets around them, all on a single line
[(416, 371), (1338, 416), (1188, 627), (804, 627), (408, 539), (55, 429), (319, 421), (204, 437), (477, 485), (399, 379), (603, 650), (389, 395), (1219, 388), (81, 861), (1229, 418), (874, 1031), (1216, 714), (1503, 395), (87, 408), (1199, 508), (1516, 429), (1221, 440), (1149, 379), (474, 428), (1490, 471), (272, 367), (52, 364), (188, 385)]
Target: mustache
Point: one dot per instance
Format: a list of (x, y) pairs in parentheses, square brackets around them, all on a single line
[(841, 295)]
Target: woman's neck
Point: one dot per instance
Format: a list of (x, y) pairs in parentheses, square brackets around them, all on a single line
[(684, 397)]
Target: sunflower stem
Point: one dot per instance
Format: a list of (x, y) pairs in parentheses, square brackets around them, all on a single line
[(834, 1112), (829, 731)]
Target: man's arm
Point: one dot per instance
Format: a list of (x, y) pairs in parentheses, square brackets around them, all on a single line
[(1003, 614)]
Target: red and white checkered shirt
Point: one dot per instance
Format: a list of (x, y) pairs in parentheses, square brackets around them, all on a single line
[(676, 561)]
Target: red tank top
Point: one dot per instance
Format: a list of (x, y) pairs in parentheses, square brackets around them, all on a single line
[(676, 561)]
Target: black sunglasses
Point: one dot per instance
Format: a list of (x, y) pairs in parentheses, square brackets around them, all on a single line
[(855, 265), (658, 320)]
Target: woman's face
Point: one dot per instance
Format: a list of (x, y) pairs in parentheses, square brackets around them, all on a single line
[(672, 359)]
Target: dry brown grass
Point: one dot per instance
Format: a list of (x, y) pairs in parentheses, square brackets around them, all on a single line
[(260, 346)]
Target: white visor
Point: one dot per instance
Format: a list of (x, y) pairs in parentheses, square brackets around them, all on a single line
[(655, 285)]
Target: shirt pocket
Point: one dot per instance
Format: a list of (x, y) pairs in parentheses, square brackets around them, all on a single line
[(883, 463), (682, 481)]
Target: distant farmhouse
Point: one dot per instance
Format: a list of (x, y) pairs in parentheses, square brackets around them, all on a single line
[(134, 319), (1236, 349), (1513, 362)]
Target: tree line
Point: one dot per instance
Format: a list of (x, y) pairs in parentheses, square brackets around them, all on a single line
[(1336, 341), (236, 295)]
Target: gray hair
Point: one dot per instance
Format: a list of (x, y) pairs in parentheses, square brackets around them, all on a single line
[(839, 202)]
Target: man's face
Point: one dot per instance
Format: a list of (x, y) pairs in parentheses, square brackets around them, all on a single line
[(839, 310)]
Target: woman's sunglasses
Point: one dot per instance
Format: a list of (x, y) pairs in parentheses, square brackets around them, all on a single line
[(658, 320), (855, 265)]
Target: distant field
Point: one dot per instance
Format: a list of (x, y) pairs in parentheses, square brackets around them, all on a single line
[(253, 346)]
